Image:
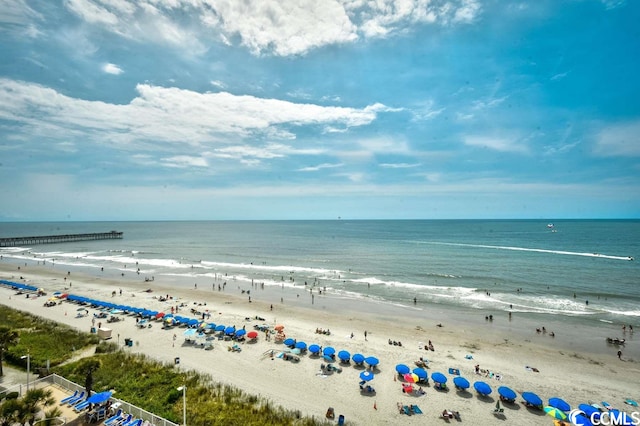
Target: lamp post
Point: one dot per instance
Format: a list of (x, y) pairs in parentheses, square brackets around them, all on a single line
[(28, 358), (184, 404)]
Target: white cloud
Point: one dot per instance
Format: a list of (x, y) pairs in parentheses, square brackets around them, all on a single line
[(500, 144), (168, 115), (286, 28), (620, 140), (184, 161), (399, 165), (112, 69), (319, 167)]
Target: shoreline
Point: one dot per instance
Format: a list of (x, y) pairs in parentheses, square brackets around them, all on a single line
[(297, 386)]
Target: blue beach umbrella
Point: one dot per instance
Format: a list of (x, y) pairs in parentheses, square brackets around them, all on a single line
[(402, 369), (420, 372), (590, 410), (98, 398), (439, 377), (289, 341), (482, 388), (229, 330), (190, 332), (358, 358), (344, 356), (314, 349), (240, 333), (532, 398), (372, 361), (559, 403), (328, 351), (621, 418), (367, 375), (301, 345), (220, 327), (507, 393), (210, 326), (461, 382)]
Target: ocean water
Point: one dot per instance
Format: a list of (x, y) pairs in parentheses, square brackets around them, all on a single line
[(525, 267)]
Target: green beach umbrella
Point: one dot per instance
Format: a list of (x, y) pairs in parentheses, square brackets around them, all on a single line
[(555, 413)]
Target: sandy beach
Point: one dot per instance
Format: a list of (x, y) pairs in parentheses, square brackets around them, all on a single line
[(576, 377)]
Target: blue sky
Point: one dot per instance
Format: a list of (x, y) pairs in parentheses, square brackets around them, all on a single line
[(300, 109)]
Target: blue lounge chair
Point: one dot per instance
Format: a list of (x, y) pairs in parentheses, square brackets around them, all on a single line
[(134, 422), (113, 419), (69, 398), (415, 409), (73, 401), (123, 421), (81, 406), (340, 420)]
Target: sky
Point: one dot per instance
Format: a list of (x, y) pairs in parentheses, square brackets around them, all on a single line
[(306, 109)]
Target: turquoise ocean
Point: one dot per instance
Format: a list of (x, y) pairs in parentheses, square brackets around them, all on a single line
[(579, 274)]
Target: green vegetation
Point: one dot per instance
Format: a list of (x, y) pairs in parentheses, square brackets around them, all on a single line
[(140, 380), (25, 409), (43, 339)]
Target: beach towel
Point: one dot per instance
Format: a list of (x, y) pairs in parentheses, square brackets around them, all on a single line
[(454, 371), (416, 409)]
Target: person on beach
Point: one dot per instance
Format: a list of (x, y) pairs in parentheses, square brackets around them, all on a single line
[(365, 335), (619, 354)]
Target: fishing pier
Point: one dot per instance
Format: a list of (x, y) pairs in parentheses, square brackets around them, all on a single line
[(53, 239)]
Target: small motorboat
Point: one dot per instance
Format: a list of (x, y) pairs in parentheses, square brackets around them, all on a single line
[(615, 341)]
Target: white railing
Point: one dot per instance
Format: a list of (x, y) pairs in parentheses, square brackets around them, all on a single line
[(54, 379)]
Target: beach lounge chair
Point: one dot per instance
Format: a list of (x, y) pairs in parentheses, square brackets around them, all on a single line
[(117, 416), (341, 420), (80, 406), (415, 409), (78, 398), (406, 410), (69, 398), (122, 421), (134, 422)]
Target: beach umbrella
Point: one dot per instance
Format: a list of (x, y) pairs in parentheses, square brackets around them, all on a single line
[(344, 356), (99, 398), (589, 410), (252, 334), (532, 398), (301, 345), (358, 358), (482, 388), (240, 333), (229, 330), (372, 361), (620, 418), (410, 378), (507, 393), (420, 372), (460, 382), (210, 326), (402, 369), (190, 332), (367, 375), (439, 377), (555, 413), (279, 327), (328, 351), (559, 403), (314, 349), (220, 327), (193, 322), (289, 341), (328, 358)]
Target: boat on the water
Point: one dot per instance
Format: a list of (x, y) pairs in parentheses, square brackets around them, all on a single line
[(615, 341)]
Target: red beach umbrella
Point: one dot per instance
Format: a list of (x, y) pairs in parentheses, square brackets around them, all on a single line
[(160, 315), (252, 334)]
